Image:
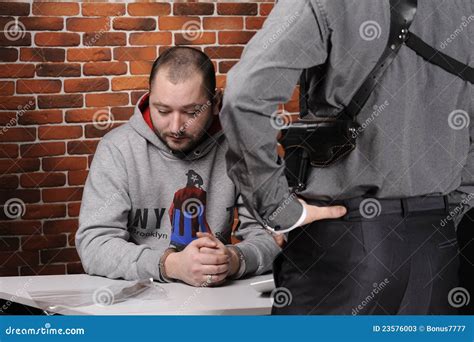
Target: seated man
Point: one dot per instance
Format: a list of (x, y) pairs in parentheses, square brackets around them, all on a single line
[(158, 202)]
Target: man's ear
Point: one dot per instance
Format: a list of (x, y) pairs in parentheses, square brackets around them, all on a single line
[(217, 105)]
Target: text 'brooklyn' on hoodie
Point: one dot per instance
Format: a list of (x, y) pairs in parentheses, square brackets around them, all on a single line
[(137, 190)]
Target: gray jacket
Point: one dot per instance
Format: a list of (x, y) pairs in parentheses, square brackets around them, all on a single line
[(416, 138), (127, 206)]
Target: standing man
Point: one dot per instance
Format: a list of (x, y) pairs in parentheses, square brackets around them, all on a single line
[(406, 184)]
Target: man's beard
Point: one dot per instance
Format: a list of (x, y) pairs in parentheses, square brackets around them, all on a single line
[(187, 147), (193, 142)]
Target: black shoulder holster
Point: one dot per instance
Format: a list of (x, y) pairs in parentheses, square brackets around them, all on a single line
[(324, 141)]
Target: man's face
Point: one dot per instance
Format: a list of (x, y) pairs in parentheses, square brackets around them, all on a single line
[(181, 113)]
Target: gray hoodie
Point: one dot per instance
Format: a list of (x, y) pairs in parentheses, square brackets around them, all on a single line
[(137, 188)]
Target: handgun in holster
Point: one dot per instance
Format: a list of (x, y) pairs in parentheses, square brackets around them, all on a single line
[(314, 143)]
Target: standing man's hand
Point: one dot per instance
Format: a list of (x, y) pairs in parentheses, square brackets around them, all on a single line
[(193, 267), (315, 213)]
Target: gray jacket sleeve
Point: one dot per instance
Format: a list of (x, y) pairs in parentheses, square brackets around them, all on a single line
[(293, 38), (102, 239), (257, 245)]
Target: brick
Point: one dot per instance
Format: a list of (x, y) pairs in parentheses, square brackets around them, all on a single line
[(106, 99), (8, 54), (25, 195), (36, 242), (60, 226), (82, 147), (38, 86), (134, 53), (39, 117), (44, 211), (223, 23), (136, 95), (61, 195), (57, 39), (17, 9), (24, 258), (19, 103), (224, 52), (221, 81), (18, 134), (42, 179), (42, 270), (130, 83), (7, 88), (43, 149), (93, 131), (71, 240), (15, 37), (293, 105), (77, 177), (56, 8), (8, 151), (195, 38), (140, 67), (237, 9), (19, 165), (73, 209), (235, 37), (103, 9), (178, 23), (151, 38), (254, 23), (9, 182), (75, 268), (59, 255), (265, 9), (135, 24), (149, 9), (89, 54), (225, 66), (42, 23), (58, 70), (5, 23), (20, 227), (64, 163), (87, 24), (60, 101), (19, 70), (122, 113), (104, 39), (105, 68), (86, 85), (42, 55), (9, 244), (193, 9), (9, 272), (7, 119), (59, 132), (83, 115)]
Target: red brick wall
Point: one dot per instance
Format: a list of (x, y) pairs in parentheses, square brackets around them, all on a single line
[(64, 68)]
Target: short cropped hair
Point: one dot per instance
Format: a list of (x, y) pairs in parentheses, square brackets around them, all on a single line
[(180, 61)]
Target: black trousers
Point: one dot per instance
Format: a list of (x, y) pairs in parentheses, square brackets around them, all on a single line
[(382, 257)]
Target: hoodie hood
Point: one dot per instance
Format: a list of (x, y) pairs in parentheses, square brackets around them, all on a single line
[(141, 123)]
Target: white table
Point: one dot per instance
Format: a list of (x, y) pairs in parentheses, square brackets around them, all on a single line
[(234, 298)]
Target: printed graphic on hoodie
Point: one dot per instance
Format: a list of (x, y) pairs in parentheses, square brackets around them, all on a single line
[(188, 211)]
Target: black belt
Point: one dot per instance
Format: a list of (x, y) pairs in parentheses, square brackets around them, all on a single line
[(367, 207)]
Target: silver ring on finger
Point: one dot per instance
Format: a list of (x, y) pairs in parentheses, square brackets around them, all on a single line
[(209, 279)]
